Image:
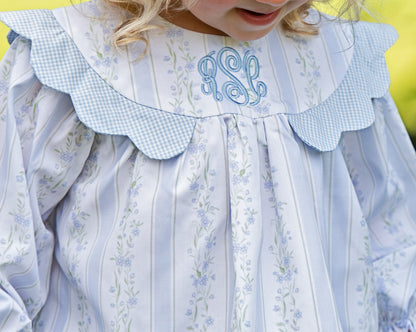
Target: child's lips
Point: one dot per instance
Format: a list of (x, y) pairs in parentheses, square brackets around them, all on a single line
[(257, 18)]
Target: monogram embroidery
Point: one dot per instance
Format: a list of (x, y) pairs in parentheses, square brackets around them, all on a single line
[(229, 62)]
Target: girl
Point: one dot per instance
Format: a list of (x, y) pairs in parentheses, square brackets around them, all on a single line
[(229, 165)]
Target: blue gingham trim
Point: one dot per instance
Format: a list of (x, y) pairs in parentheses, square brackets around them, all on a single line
[(350, 107), (59, 64)]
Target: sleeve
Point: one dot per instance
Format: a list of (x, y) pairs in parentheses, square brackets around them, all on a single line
[(42, 149), (382, 163)]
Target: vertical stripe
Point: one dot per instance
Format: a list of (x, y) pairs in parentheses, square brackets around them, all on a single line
[(90, 272), (108, 229), (380, 148), (173, 244), (339, 228), (282, 72), (163, 243), (55, 313), (348, 262), (410, 283), (260, 326), (152, 267), (144, 70), (133, 84), (373, 148), (263, 311), (307, 162), (39, 150), (325, 293), (266, 208), (108, 207), (231, 276), (69, 307), (343, 40), (325, 46), (370, 191), (56, 276), (330, 191), (153, 73), (335, 57), (6, 169), (263, 168), (227, 320), (300, 226), (62, 292), (273, 67), (228, 287), (40, 127)]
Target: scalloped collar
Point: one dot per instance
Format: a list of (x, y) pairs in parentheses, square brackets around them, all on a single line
[(324, 84), (201, 75)]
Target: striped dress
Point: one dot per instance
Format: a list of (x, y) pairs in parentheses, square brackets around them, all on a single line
[(212, 185)]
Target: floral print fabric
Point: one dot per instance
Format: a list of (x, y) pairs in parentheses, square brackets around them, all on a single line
[(248, 229)]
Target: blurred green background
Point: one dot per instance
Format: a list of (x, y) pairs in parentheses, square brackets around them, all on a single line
[(401, 58)]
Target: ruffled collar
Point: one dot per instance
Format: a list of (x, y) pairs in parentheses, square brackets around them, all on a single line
[(324, 84)]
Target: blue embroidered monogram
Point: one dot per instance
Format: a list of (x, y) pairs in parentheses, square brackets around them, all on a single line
[(230, 63), (251, 62), (207, 67)]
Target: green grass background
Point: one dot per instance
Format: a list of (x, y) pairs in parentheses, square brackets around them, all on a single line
[(401, 58)]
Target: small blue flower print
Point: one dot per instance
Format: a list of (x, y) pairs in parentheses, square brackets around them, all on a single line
[(190, 66), (25, 109), (66, 156), (179, 110), (132, 301), (297, 314), (209, 321), (21, 220)]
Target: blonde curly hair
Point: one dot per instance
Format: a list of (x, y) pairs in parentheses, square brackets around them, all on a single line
[(142, 12)]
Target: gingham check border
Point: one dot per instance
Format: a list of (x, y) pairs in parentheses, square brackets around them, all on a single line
[(161, 135), (59, 64), (350, 106)]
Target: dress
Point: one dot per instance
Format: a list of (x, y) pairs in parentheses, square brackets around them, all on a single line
[(213, 185)]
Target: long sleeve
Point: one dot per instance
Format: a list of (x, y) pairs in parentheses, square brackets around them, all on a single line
[(35, 173), (382, 164)]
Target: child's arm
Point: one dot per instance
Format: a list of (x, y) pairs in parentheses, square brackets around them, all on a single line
[(382, 163), (38, 163), (22, 230)]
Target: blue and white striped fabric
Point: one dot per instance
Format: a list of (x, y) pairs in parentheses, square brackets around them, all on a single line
[(211, 186)]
